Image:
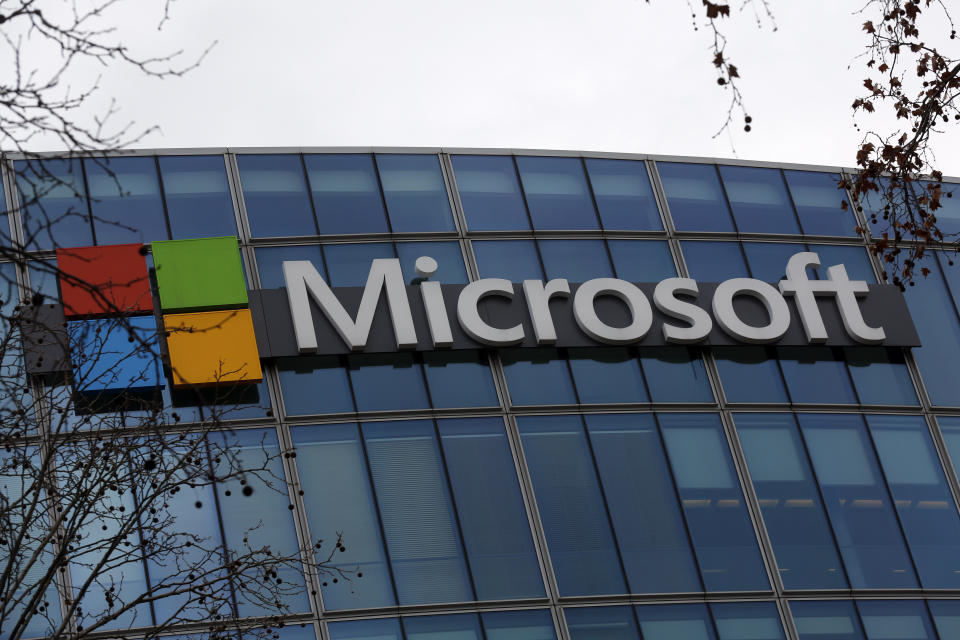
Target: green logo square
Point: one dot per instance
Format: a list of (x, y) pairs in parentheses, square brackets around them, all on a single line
[(200, 274)]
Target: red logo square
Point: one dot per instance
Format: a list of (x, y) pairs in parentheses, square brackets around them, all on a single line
[(104, 281)]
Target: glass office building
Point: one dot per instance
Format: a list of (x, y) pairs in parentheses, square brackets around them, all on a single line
[(681, 492)]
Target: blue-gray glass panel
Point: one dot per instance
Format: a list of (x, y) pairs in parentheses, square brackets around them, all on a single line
[(768, 260), (920, 492), (896, 620), (675, 374), (747, 621), (43, 279), (496, 532), (198, 196), (855, 259), (4, 219), (950, 428), (415, 193), (858, 504), (275, 195), (695, 197), (950, 272), (819, 203), (873, 208), (531, 624), (948, 215), (642, 500), (880, 376), (642, 260), (749, 374), (54, 205), (537, 376), (349, 264), (417, 513), (623, 194), (385, 382), (459, 626), (557, 193), (459, 379), (723, 537), (816, 374), (314, 384), (241, 401), (946, 617), (759, 200), (375, 629), (607, 374), (575, 260), (670, 621), (571, 505), (125, 200), (515, 260), (793, 512), (490, 193), (338, 497), (826, 620), (451, 269), (270, 262), (601, 623), (346, 195), (711, 261)]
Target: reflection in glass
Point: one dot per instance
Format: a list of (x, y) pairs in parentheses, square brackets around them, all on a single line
[(557, 193), (198, 196), (490, 193), (346, 194), (415, 192), (759, 200), (623, 194), (125, 200), (275, 194), (818, 202), (54, 207), (695, 197)]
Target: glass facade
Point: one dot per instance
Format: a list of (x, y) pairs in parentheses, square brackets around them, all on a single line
[(733, 493)]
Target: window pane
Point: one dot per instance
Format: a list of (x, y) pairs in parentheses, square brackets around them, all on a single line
[(270, 263), (601, 623), (673, 621), (723, 537), (125, 200), (935, 318), (571, 505), (747, 620), (607, 374), (948, 215), (53, 197), (490, 193), (338, 497), (759, 200), (575, 260), (275, 194), (459, 379), (314, 384), (623, 193), (417, 514), (926, 508), (641, 497), (4, 219), (345, 193), (537, 376), (695, 197), (749, 374), (388, 381), (950, 428), (855, 259), (714, 261), (515, 260), (462, 626), (857, 502), (818, 203), (836, 620), (503, 562), (375, 629), (816, 374), (768, 260), (946, 617), (198, 196), (895, 620), (642, 260), (675, 374), (880, 376), (532, 624), (415, 192), (793, 512), (447, 254), (349, 264), (557, 193)]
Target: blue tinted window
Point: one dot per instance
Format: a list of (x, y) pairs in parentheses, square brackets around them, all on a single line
[(314, 384), (746, 621), (575, 260), (935, 318), (270, 263), (855, 259), (463, 626), (346, 195), (924, 503), (818, 203), (948, 215), (816, 374), (490, 193), (515, 260), (695, 197), (557, 193), (447, 254), (198, 196), (623, 194), (43, 278), (641, 496), (537, 376), (946, 617), (532, 624), (54, 207), (607, 374), (723, 537), (885, 619), (375, 629), (675, 374), (4, 219), (338, 497), (826, 620), (417, 513), (275, 194), (768, 260), (609, 623), (793, 512), (667, 622), (857, 502), (415, 192), (582, 548), (125, 200), (714, 261), (880, 376), (503, 562), (759, 200), (642, 260), (950, 428), (349, 264), (459, 379), (384, 382), (749, 374)]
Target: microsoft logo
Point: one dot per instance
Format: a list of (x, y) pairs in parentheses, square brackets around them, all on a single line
[(202, 307)]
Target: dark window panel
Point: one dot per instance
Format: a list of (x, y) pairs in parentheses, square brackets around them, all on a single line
[(490, 193), (880, 376), (946, 617), (749, 374), (451, 269), (346, 195), (373, 629), (275, 194), (602, 623), (712, 261), (670, 621), (818, 202), (606, 375), (695, 197), (389, 381), (558, 195), (537, 376), (198, 196), (349, 264), (768, 260), (675, 374), (463, 626), (948, 215), (826, 620), (883, 619), (4, 219), (459, 379), (314, 384), (575, 260), (270, 262), (623, 194), (855, 259), (747, 621), (950, 428), (531, 624), (415, 193), (816, 374), (53, 197), (759, 200), (515, 260), (642, 260)]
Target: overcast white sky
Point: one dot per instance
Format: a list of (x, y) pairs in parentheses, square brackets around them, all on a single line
[(605, 75)]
